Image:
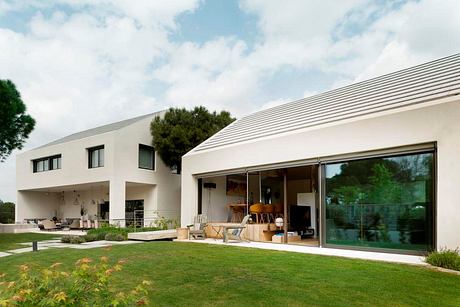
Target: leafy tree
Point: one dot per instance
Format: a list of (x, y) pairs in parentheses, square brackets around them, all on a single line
[(6, 212), (15, 124), (181, 130)]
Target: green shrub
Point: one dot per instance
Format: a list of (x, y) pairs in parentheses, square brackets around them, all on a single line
[(101, 233), (65, 239), (73, 239), (449, 259), (87, 285), (114, 237), (91, 237)]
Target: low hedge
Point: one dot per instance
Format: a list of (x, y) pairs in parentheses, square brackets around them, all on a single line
[(108, 233), (73, 239)]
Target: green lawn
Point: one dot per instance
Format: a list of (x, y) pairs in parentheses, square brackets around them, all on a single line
[(10, 240), (202, 274)]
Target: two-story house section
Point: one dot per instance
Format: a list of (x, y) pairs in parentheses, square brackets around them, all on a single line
[(108, 173)]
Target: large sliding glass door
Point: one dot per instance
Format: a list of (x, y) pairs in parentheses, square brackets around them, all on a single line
[(385, 202)]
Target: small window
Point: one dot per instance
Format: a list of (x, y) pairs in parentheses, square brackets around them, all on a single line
[(146, 157), (47, 164), (96, 157)]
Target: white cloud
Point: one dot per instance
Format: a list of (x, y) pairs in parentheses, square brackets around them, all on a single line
[(85, 66), (97, 61)]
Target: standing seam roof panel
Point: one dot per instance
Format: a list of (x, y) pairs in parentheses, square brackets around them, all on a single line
[(425, 82)]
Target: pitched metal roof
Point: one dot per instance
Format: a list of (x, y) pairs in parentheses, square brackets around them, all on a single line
[(100, 130), (421, 83)]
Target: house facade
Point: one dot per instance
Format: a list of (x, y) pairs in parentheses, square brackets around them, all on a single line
[(370, 166), (109, 173)]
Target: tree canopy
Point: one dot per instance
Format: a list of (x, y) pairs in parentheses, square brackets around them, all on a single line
[(181, 130), (6, 212), (15, 124)]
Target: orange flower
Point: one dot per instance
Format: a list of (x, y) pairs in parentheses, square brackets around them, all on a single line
[(121, 261), (11, 284), (109, 271), (85, 260)]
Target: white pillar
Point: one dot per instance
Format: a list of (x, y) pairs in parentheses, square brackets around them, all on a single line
[(117, 195), (20, 204), (189, 198)]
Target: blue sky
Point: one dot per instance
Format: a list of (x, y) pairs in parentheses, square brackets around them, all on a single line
[(80, 64)]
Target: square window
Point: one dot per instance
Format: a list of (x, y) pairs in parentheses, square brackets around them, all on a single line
[(146, 157), (96, 157)]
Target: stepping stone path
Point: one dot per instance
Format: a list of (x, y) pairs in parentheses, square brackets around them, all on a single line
[(47, 244)]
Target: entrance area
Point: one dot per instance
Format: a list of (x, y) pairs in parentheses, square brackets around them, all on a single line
[(381, 202)]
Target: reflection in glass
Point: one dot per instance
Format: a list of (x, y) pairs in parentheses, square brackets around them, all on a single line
[(381, 202)]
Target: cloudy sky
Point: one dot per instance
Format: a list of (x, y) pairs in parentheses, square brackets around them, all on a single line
[(79, 64)]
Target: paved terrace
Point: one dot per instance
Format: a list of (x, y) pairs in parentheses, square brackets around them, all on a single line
[(47, 244), (387, 257)]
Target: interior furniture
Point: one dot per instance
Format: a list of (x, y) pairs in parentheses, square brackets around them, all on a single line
[(237, 212), (278, 210), (75, 224), (49, 225), (197, 229), (258, 210), (269, 209), (290, 239), (234, 232)]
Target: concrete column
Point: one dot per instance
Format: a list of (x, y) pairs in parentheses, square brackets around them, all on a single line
[(18, 213), (117, 195), (189, 199)]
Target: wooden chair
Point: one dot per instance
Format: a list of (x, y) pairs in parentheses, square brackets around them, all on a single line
[(234, 232), (237, 214), (257, 210), (268, 213), (198, 229)]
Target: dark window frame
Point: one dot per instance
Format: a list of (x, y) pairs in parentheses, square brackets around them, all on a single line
[(433, 211), (49, 159), (90, 150), (152, 149)]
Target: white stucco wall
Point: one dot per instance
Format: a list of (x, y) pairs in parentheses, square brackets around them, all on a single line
[(436, 121), (120, 166)]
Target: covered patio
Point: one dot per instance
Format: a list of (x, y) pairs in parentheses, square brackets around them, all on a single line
[(88, 205)]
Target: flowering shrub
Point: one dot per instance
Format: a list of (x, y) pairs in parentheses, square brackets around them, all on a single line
[(89, 284)]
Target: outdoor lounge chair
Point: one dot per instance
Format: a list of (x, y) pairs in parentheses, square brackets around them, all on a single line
[(198, 229), (233, 232), (75, 224), (49, 225)]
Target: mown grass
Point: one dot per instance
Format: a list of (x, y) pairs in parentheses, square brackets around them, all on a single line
[(10, 241), (201, 274)]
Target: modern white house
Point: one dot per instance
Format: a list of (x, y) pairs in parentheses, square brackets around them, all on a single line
[(372, 166), (109, 171)]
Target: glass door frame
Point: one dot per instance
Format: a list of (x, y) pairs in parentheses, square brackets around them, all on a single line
[(386, 154)]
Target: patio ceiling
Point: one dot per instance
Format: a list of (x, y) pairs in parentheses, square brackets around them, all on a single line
[(76, 187)]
